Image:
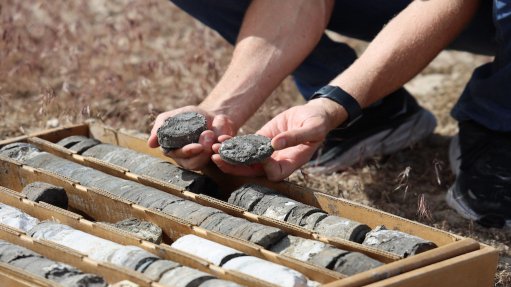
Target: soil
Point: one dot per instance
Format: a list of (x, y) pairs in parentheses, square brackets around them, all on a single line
[(124, 62)]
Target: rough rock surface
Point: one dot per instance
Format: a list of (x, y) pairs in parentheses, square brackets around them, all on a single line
[(142, 229), (180, 130), (246, 150), (397, 242)]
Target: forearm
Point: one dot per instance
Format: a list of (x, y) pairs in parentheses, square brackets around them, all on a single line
[(404, 47), (274, 39)]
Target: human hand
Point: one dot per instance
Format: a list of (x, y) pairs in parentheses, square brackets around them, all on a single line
[(296, 134), (194, 155)]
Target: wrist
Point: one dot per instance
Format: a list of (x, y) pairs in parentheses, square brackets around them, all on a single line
[(217, 110), (335, 114)]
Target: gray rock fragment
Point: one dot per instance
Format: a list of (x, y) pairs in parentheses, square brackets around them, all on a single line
[(355, 262), (219, 283), (71, 141), (248, 195), (246, 149), (83, 280), (299, 248), (184, 277), (156, 269), (301, 212), (99, 151), (84, 145), (180, 130), (397, 242), (42, 191), (215, 253), (19, 151), (336, 226), (142, 229), (38, 265), (182, 209)]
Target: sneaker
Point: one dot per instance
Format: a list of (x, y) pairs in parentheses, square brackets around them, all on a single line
[(482, 190), (394, 124)]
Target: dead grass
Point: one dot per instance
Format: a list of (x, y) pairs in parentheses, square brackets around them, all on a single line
[(123, 62)]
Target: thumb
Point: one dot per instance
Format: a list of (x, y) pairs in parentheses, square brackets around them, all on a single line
[(298, 136)]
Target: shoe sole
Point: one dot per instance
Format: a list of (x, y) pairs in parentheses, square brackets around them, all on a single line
[(461, 207), (416, 128)]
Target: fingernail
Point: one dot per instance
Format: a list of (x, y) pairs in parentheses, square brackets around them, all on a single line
[(280, 144)]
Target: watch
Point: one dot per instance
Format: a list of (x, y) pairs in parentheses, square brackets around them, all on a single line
[(344, 99)]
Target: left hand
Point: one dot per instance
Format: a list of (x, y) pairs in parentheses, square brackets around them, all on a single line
[(296, 134)]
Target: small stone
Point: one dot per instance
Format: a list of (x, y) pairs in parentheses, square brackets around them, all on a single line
[(142, 229), (246, 150), (397, 242), (42, 191), (84, 145), (181, 129)]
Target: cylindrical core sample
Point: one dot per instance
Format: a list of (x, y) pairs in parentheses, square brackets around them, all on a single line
[(336, 226), (180, 130), (397, 242), (246, 149), (42, 191), (142, 229)]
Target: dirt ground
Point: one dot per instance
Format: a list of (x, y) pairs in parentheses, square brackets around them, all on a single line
[(123, 62)]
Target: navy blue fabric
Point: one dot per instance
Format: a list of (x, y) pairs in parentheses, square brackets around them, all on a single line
[(487, 96), (488, 33)]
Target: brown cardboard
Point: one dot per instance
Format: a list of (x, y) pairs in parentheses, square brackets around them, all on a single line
[(455, 260)]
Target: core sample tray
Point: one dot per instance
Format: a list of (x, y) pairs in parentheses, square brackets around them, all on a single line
[(455, 261)]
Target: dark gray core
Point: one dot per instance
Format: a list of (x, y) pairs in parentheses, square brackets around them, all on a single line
[(245, 150), (180, 130)]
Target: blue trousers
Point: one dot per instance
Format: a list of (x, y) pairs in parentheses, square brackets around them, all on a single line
[(487, 97)]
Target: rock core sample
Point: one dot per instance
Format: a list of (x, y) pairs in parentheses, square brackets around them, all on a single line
[(180, 130), (246, 150)]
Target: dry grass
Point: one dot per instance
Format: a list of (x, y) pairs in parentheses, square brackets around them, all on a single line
[(123, 62)]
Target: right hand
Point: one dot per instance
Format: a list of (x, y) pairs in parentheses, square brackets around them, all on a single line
[(195, 155)]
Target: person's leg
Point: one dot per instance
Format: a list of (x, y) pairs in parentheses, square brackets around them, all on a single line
[(482, 190)]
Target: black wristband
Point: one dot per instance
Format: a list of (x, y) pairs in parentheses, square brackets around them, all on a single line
[(344, 99)]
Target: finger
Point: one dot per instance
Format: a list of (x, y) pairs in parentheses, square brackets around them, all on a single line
[(298, 136), (207, 139), (283, 166), (252, 170), (187, 151), (195, 163), (216, 147), (224, 138)]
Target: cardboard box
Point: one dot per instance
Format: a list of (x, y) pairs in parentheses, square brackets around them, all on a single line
[(457, 261)]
